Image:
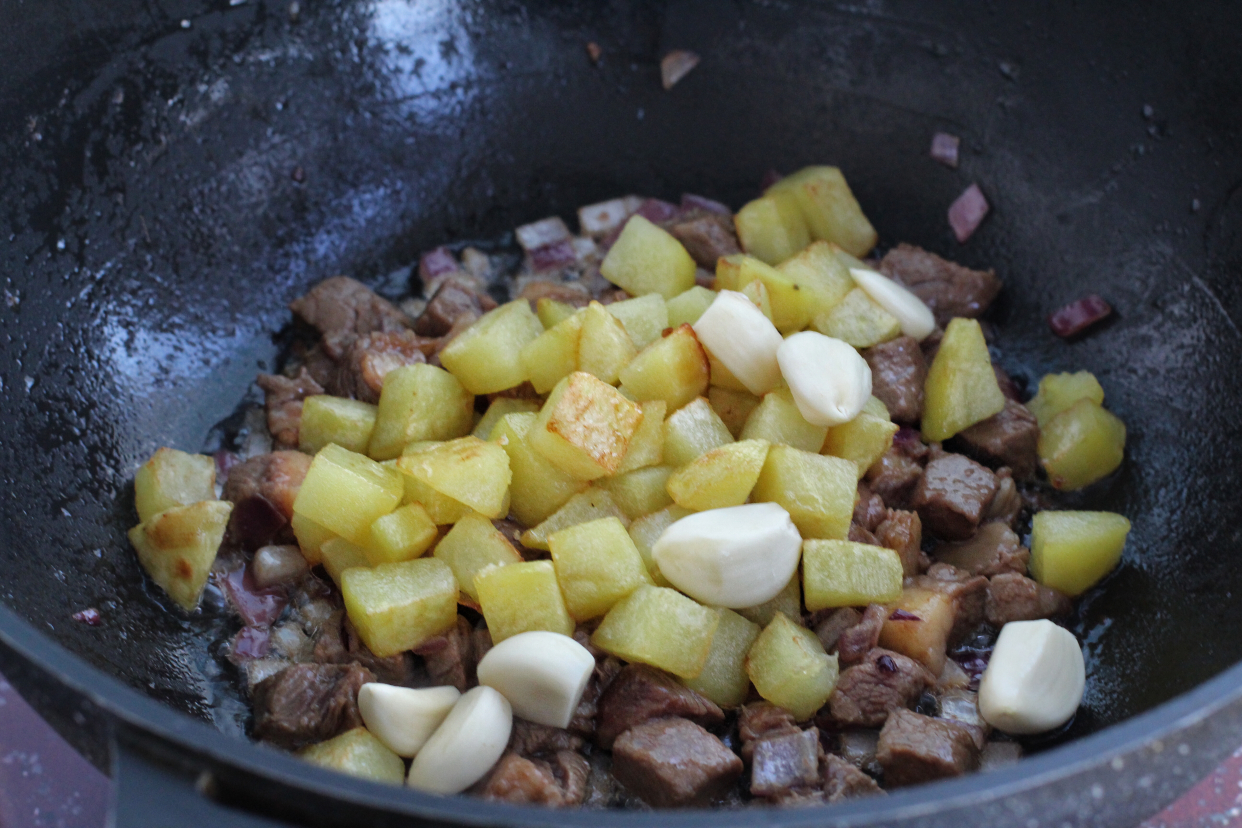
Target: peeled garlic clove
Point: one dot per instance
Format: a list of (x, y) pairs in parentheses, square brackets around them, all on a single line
[(1034, 680), (743, 339), (734, 557), (465, 746), (404, 718), (912, 313), (542, 674), (829, 380)]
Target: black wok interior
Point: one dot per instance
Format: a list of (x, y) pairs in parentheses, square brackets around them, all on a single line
[(155, 233)]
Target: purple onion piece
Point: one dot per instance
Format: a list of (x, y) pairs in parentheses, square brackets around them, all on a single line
[(944, 148), (542, 233), (657, 211), (251, 642), (690, 201), (902, 615), (968, 212), (676, 65), (1076, 317), (907, 437), (89, 616), (257, 607), (886, 663), (553, 256), (435, 263)]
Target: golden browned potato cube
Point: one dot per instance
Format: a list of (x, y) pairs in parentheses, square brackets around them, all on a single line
[(771, 228), (646, 530), (1081, 445), (472, 545), (778, 420), (692, 431), (486, 356), (173, 478), (1058, 392), (538, 488), (178, 546), (358, 753), (722, 477), (924, 636), (401, 535), (732, 406), (553, 354), (858, 320), (641, 491), (645, 318), (596, 565), (829, 208), (326, 419), (864, 439), (789, 668), (522, 597), (686, 308), (661, 627), (787, 601), (589, 505), (724, 679), (673, 369), (419, 402), (469, 470), (647, 445), (338, 555), (397, 606), (551, 312), (499, 408), (961, 387), (818, 491), (344, 492), (585, 427), (837, 573), (646, 259), (1073, 551), (604, 347), (310, 536), (822, 281)]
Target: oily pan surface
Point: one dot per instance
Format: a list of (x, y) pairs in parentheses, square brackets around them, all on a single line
[(158, 230)]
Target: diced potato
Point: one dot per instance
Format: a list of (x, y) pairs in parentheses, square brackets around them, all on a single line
[(686, 308), (327, 419), (778, 420), (660, 627), (419, 402), (646, 530), (338, 555), (924, 637), (401, 535), (757, 293), (729, 271), (596, 565), (173, 478), (722, 477), (486, 356), (789, 668), (647, 445), (771, 228), (397, 606), (358, 753), (311, 537), (538, 488), (344, 492), (553, 354), (646, 259), (822, 280), (1057, 392), (522, 597), (641, 491), (442, 509), (733, 407), (1072, 551), (673, 369), (818, 491), (787, 601), (551, 312), (645, 318), (500, 407), (471, 546), (839, 573), (585, 427), (469, 470), (692, 431), (178, 546), (592, 504), (961, 387), (1081, 445), (604, 347), (858, 320), (724, 679), (864, 439), (829, 208)]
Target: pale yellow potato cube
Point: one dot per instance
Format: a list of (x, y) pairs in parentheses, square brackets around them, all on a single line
[(795, 291), (831, 211), (822, 281), (178, 546), (552, 312), (592, 504), (471, 546), (787, 601), (647, 445), (724, 679), (1082, 444), (311, 537), (345, 492), (789, 668), (486, 356), (326, 419), (771, 228), (864, 439), (596, 565), (646, 530), (961, 387), (553, 354), (173, 478), (337, 555), (692, 431), (419, 402), (521, 597), (660, 627), (858, 320), (604, 347), (538, 488), (646, 259), (1072, 551), (641, 491), (673, 369), (358, 753), (778, 420), (839, 573), (1057, 392), (500, 407), (442, 509), (401, 535), (397, 606), (686, 308), (733, 407), (819, 492), (723, 477), (585, 427), (469, 470), (645, 318)]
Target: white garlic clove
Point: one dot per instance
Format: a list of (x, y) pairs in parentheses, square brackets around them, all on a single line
[(542, 674), (734, 557), (737, 333), (829, 380), (912, 312), (466, 745), (1035, 679), (404, 718)]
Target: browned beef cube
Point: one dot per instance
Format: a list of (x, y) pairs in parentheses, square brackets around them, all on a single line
[(992, 550), (829, 624), (570, 293), (339, 643), (450, 658), (783, 763), (606, 669), (368, 359), (262, 490), (519, 780), (870, 510), (673, 763), (952, 495), (844, 781), (969, 592), (1014, 597), (341, 305), (914, 748), (761, 720), (308, 703), (894, 476), (898, 372), (707, 237), (640, 693), (1007, 438), (882, 682), (531, 739), (452, 300), (962, 708), (860, 534), (902, 532), (948, 289), (282, 398), (854, 643)]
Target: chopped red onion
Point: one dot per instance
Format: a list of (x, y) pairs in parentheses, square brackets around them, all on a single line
[(903, 615), (601, 218), (225, 461), (676, 65), (542, 233), (690, 201), (594, 52), (944, 148), (435, 263), (257, 607), (967, 212), (907, 437), (1076, 317), (657, 212), (552, 256), (89, 616), (769, 178), (250, 643)]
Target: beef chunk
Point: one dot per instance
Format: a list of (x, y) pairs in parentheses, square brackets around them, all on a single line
[(961, 706), (968, 593), (674, 762), (452, 300), (785, 762), (282, 397), (519, 780), (882, 682), (367, 359), (531, 739), (762, 720), (343, 306), (844, 781), (952, 495), (898, 372), (587, 713), (948, 289), (339, 643), (308, 703), (992, 550), (262, 490), (1007, 438), (860, 639), (707, 237), (640, 693), (1014, 597), (902, 532), (830, 627), (570, 293), (894, 476), (859, 534), (869, 511), (450, 657), (914, 748)]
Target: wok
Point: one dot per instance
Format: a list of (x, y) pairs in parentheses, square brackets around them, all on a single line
[(157, 228)]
